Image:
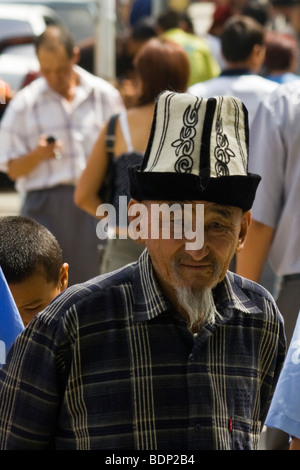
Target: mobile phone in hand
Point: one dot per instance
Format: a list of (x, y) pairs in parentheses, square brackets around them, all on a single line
[(51, 140)]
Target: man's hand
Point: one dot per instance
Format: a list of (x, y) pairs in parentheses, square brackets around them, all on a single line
[(44, 150), (50, 147)]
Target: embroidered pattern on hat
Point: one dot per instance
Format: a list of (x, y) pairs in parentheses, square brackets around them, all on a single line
[(185, 144), (222, 151)]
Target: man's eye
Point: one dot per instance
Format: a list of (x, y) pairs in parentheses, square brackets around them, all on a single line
[(217, 228)]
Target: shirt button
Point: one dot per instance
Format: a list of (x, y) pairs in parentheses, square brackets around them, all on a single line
[(191, 357), (198, 427)]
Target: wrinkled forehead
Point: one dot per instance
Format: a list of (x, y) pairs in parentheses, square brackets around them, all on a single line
[(207, 207)]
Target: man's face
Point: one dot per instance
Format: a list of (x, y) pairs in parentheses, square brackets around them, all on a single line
[(57, 68), (176, 266)]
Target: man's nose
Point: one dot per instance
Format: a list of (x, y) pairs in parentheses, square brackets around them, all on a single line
[(197, 253)]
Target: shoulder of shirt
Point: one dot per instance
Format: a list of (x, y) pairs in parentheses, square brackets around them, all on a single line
[(203, 88), (37, 86), (250, 287), (30, 91), (254, 79), (286, 92), (95, 81), (77, 295)]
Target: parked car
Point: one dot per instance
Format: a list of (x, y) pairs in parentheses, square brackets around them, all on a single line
[(78, 16), (20, 24)]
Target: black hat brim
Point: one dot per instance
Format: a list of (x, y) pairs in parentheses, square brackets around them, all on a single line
[(234, 190)]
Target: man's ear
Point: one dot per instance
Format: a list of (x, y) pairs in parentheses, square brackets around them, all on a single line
[(76, 54), (138, 221), (245, 222), (64, 276)]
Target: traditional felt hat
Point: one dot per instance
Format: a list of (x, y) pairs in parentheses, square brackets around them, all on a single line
[(197, 150)]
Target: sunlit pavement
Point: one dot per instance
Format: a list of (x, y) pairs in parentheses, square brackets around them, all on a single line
[(10, 202)]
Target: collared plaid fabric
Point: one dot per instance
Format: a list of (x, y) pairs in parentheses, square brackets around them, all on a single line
[(111, 365)]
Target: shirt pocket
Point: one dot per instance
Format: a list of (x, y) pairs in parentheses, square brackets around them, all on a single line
[(243, 433)]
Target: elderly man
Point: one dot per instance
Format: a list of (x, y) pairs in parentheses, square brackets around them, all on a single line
[(173, 351), (47, 134)]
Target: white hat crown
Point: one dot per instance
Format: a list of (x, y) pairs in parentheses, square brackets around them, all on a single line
[(197, 150), (180, 143)]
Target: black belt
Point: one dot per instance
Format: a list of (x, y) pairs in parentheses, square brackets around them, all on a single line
[(292, 277)]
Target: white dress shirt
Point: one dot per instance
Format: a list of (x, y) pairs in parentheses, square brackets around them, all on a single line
[(249, 88), (38, 110), (275, 155)]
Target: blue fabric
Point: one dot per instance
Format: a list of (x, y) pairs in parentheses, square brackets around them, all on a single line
[(283, 78), (140, 9), (284, 412), (11, 323)]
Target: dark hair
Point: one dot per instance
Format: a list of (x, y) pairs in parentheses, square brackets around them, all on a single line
[(257, 11), (144, 29), (281, 51), (168, 19), (26, 248), (239, 36), (53, 36), (161, 65)]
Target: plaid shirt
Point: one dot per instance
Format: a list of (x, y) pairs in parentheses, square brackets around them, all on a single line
[(111, 365)]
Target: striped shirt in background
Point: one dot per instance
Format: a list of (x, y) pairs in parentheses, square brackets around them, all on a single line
[(112, 365)]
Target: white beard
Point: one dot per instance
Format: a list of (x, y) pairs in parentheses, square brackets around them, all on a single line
[(199, 305)]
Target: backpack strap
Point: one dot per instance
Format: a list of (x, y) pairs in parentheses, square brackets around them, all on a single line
[(110, 136)]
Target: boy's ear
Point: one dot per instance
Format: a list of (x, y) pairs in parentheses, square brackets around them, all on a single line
[(64, 276)]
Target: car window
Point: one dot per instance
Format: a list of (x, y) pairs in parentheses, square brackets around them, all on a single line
[(21, 49), (9, 28)]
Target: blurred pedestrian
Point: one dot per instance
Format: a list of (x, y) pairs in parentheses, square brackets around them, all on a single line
[(31, 260), (160, 64), (203, 65), (127, 48), (243, 49), (46, 135), (274, 233), (290, 11), (282, 57)]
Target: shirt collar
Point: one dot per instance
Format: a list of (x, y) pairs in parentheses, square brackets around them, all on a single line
[(234, 72), (150, 301), (84, 87), (231, 295)]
